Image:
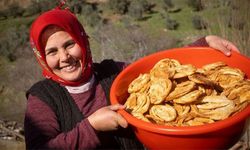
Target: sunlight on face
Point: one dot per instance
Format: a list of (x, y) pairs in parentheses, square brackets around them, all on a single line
[(63, 54)]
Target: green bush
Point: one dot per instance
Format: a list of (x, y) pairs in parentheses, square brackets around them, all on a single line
[(198, 23), (32, 9), (136, 10), (87, 9), (11, 40), (46, 5), (90, 14), (171, 24), (167, 4), (14, 10), (118, 6), (196, 5), (3, 15)]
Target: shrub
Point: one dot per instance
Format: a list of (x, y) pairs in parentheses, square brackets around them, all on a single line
[(136, 10), (11, 40), (198, 23), (87, 9), (131, 45), (3, 15), (32, 9), (118, 6), (171, 24), (45, 5), (90, 14), (147, 7), (14, 10), (167, 4), (196, 5)]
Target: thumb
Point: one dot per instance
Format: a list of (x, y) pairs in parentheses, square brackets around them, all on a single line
[(226, 51), (116, 107), (232, 47)]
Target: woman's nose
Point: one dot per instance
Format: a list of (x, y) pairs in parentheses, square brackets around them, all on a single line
[(63, 54)]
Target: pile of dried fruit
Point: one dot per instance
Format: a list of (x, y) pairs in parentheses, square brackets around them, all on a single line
[(178, 94)]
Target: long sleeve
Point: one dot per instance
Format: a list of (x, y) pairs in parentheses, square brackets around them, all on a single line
[(200, 42), (42, 129)]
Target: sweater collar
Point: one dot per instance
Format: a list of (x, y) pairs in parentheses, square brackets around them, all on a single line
[(81, 88)]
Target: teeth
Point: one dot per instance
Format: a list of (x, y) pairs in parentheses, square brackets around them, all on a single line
[(70, 67)]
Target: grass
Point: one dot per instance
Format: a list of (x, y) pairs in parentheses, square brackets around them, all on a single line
[(15, 22)]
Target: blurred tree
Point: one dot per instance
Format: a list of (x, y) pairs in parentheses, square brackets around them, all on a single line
[(171, 24), (91, 14), (45, 5), (198, 23), (136, 10), (167, 4), (14, 10), (11, 39), (32, 9), (118, 6), (196, 5)]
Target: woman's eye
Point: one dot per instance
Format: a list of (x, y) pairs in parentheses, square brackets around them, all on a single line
[(51, 52), (70, 45)]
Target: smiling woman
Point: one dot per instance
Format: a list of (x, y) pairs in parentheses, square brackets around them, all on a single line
[(63, 54), (70, 108)]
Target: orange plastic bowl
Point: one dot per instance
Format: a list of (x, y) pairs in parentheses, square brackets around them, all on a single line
[(219, 135)]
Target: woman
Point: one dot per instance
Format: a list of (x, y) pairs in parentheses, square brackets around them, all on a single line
[(70, 109)]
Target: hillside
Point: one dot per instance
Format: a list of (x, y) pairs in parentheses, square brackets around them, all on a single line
[(4, 4)]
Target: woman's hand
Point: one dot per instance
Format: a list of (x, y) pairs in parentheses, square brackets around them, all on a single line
[(106, 118), (221, 44)]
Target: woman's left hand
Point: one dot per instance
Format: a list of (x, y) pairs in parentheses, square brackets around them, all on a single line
[(221, 44)]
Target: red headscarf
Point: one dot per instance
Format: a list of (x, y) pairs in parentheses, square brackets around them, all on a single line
[(66, 20)]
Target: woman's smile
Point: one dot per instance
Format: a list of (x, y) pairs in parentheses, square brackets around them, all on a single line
[(70, 67)]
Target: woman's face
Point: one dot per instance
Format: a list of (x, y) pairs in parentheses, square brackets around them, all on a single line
[(63, 55)]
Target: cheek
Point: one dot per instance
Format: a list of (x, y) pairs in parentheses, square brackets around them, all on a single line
[(77, 52), (52, 62)]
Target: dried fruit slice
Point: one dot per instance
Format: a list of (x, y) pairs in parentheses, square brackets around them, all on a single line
[(138, 83), (131, 102), (167, 63), (159, 89), (182, 109), (142, 103), (140, 116), (180, 90), (165, 68), (164, 113), (202, 79), (189, 98), (227, 76), (216, 107), (184, 70), (161, 72), (214, 66)]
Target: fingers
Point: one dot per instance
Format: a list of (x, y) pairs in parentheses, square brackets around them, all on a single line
[(221, 44), (225, 49), (231, 46), (121, 121)]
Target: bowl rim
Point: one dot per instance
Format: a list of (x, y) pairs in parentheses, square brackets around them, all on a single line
[(172, 130)]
